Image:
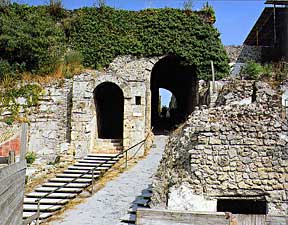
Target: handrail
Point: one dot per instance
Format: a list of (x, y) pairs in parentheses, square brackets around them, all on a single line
[(83, 174)]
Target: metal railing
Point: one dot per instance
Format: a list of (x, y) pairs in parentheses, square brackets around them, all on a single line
[(36, 216)]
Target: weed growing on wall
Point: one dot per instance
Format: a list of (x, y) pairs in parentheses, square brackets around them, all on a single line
[(101, 34), (35, 39)]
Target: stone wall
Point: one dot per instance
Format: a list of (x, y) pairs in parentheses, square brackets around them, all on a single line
[(132, 75), (244, 53), (239, 55), (49, 121), (66, 119), (234, 151)]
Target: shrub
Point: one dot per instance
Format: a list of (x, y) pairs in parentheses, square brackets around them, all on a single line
[(30, 157), (72, 63), (4, 4), (208, 9), (103, 34), (268, 70), (30, 40), (252, 71)]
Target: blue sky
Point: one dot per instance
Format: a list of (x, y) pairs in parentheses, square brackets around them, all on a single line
[(235, 18)]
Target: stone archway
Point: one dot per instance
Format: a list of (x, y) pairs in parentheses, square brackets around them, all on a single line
[(170, 73), (109, 103)]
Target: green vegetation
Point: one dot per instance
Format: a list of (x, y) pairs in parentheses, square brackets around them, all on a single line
[(30, 157), (29, 41), (9, 99), (40, 40), (101, 34), (273, 72), (252, 71)]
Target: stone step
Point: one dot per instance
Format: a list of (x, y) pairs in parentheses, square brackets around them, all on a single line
[(96, 162), (101, 159), (42, 216), (53, 195), (102, 155), (109, 140), (96, 171), (61, 190), (108, 144), (85, 163), (67, 179), (107, 148), (46, 201), (134, 208), (146, 194), (67, 175), (70, 185), (88, 167), (43, 208), (129, 218), (142, 202)]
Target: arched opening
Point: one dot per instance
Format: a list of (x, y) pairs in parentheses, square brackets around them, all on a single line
[(171, 74), (109, 102)]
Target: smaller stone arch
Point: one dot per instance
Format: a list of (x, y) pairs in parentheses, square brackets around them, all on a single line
[(109, 104)]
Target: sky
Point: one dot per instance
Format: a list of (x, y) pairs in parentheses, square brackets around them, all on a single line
[(235, 18)]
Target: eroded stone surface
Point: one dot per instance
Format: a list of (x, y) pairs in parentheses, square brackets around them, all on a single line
[(231, 150)]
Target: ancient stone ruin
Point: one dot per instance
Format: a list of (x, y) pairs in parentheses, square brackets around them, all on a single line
[(229, 158)]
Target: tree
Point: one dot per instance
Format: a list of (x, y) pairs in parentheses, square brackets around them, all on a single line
[(100, 3), (4, 4), (188, 5), (55, 7)]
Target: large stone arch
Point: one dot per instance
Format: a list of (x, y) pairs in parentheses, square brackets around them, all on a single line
[(171, 74)]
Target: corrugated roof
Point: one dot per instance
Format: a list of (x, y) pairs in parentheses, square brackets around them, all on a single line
[(277, 2), (262, 33)]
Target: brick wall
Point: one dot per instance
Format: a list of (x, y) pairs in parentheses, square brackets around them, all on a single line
[(12, 144)]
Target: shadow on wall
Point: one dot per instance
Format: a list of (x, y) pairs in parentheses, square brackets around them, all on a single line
[(169, 73)]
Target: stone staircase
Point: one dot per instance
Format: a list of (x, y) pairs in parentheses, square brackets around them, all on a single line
[(141, 201), (108, 146), (50, 204)]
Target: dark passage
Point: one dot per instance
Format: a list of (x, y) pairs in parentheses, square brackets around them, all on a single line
[(109, 102), (242, 206), (171, 74)]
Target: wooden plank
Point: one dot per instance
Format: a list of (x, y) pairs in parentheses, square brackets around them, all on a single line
[(13, 218), (276, 220), (15, 168), (243, 219), (12, 180), (12, 183), (11, 157), (165, 217)]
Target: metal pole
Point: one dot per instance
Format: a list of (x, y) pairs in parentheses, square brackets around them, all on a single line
[(38, 212), (126, 160), (92, 190), (274, 18), (213, 77), (257, 37)]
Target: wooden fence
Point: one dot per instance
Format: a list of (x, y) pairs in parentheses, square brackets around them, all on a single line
[(165, 217), (12, 184)]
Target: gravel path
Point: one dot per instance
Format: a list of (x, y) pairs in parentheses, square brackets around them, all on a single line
[(111, 203)]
